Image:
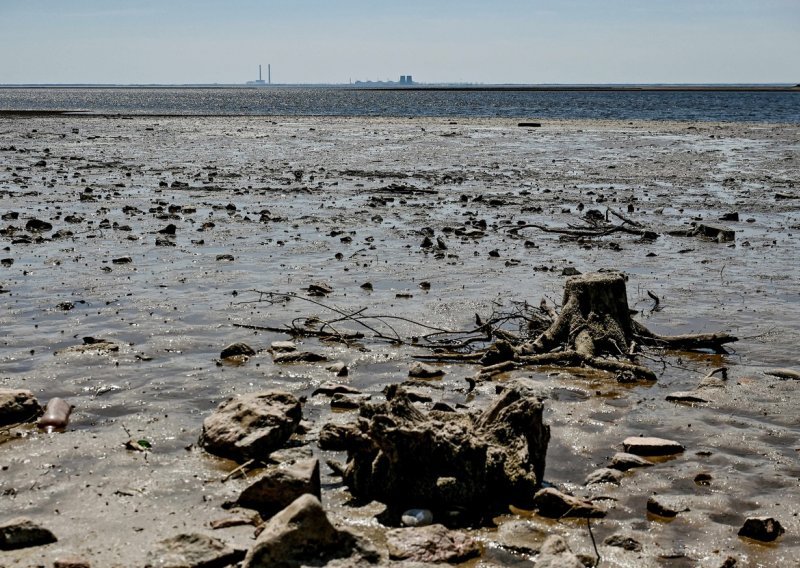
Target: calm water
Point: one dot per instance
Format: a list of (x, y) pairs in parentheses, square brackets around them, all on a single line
[(651, 105)]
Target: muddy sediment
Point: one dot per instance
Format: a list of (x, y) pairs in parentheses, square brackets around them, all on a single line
[(155, 238)]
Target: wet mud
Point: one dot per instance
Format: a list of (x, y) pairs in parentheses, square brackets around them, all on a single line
[(160, 236)]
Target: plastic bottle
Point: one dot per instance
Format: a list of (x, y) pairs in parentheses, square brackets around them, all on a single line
[(56, 415)]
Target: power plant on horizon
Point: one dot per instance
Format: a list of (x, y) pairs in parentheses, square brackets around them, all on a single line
[(260, 82)]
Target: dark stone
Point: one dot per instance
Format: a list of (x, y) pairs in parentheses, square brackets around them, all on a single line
[(764, 529), (23, 533), (18, 406), (624, 542), (37, 226), (666, 506), (237, 350)]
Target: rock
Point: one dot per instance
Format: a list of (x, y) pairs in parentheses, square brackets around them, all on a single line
[(23, 533), (554, 504), (604, 475), (347, 401), (651, 446), (251, 426), (444, 461), (719, 233), (17, 405), (280, 486), (282, 346), (237, 350), (624, 542), (432, 544), (225, 258), (234, 521), (732, 216), (170, 229), (331, 389), (690, 397), (122, 260), (92, 345), (298, 357), (416, 518), (623, 461), (192, 551), (319, 289), (764, 529), (555, 553), (71, 562), (666, 505), (37, 226), (422, 371), (522, 537), (339, 368), (301, 534)]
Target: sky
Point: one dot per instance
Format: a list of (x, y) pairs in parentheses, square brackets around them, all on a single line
[(435, 41)]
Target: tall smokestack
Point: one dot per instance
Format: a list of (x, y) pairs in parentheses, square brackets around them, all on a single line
[(269, 73), (259, 72)]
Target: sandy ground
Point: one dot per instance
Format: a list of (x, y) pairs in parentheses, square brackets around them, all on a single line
[(304, 200)]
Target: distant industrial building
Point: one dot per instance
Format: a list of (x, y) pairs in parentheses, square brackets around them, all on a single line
[(406, 80), (261, 81)]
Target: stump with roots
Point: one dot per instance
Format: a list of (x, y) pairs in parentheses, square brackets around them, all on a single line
[(595, 318), (595, 329)]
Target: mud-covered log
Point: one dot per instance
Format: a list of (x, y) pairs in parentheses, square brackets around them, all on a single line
[(712, 341)]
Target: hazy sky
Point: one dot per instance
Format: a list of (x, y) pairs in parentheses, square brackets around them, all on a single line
[(321, 41)]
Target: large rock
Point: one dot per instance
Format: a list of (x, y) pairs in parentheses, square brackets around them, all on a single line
[(280, 486), (434, 543), (302, 535), (445, 461), (18, 406), (251, 426), (192, 551), (23, 533)]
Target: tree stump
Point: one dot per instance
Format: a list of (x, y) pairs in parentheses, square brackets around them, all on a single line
[(595, 318)]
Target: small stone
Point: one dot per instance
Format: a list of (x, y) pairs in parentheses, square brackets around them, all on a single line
[(624, 542), (280, 486), (666, 506), (21, 532), (192, 551), (570, 271), (18, 406), (604, 475), (522, 537), (298, 357), (554, 504), (225, 258), (164, 242), (432, 544), (422, 371), (319, 289), (417, 518), (331, 389), (339, 368), (651, 446), (170, 229), (282, 346), (690, 397), (764, 529), (237, 350), (37, 226), (122, 260), (623, 461), (71, 562)]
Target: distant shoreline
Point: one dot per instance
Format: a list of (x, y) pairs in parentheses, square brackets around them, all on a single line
[(780, 88)]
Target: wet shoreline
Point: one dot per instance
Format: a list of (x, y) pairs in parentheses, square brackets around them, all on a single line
[(295, 201)]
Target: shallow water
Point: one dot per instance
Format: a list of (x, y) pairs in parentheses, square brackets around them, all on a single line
[(173, 309)]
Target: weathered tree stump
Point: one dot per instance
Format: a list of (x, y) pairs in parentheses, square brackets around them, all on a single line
[(595, 318)]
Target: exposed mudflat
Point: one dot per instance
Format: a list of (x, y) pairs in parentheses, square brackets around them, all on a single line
[(297, 201)]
